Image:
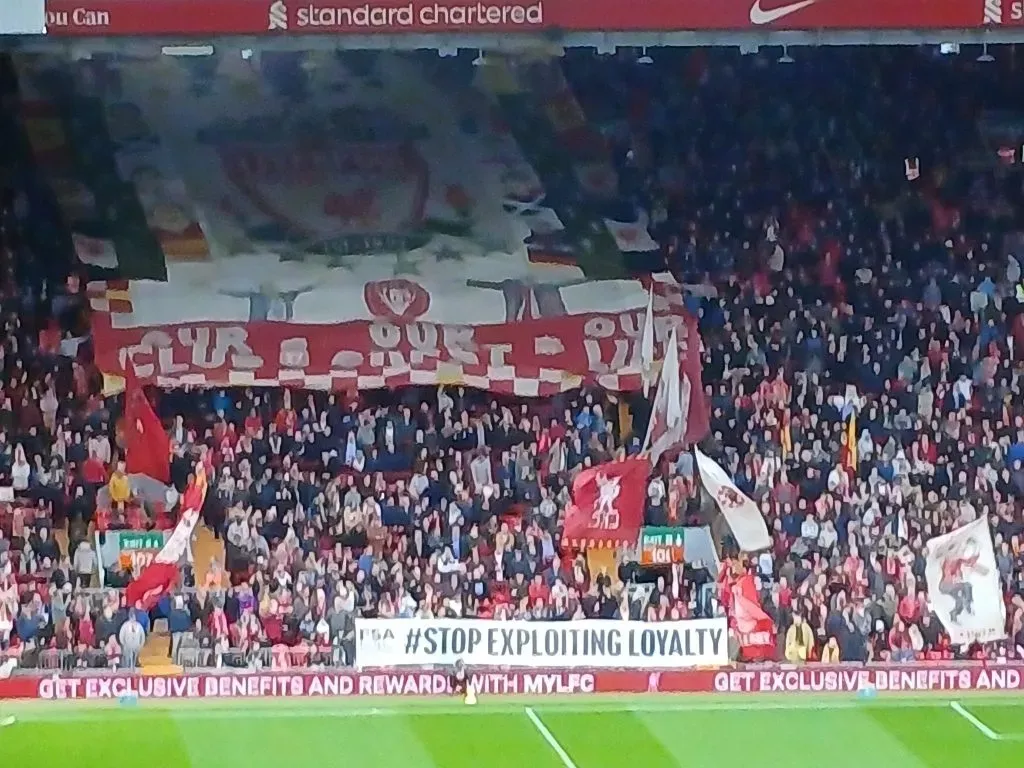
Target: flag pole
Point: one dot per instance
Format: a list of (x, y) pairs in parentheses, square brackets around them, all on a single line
[(666, 394), (647, 343)]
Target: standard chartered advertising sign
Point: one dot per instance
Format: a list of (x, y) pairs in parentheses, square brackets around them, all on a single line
[(589, 643)]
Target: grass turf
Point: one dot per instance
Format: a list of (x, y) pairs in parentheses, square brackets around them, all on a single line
[(549, 732)]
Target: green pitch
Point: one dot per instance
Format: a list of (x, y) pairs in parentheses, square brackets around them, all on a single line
[(597, 732)]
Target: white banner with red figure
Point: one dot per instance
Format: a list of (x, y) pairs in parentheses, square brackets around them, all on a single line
[(607, 509), (963, 584), (742, 514)]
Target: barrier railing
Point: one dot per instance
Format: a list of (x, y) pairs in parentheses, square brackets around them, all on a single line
[(190, 657), (284, 658), (100, 592)]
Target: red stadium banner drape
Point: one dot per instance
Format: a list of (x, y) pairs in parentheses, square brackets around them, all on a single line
[(608, 504)]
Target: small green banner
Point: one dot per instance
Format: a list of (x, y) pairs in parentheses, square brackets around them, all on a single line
[(141, 540), (137, 548), (661, 545)]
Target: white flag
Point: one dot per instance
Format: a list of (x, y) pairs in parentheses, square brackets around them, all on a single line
[(95, 251), (963, 584), (647, 345), (667, 426), (632, 237), (744, 518)]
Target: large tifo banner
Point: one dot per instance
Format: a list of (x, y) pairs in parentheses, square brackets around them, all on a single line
[(590, 643), (282, 18), (369, 238), (400, 347)]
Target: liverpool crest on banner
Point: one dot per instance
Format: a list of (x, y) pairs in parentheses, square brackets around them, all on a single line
[(608, 504)]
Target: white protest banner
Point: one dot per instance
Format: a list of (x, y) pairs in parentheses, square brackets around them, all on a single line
[(963, 584), (590, 643)]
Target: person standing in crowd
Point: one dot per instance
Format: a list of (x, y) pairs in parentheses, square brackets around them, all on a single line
[(132, 637), (179, 621), (798, 640), (85, 564)]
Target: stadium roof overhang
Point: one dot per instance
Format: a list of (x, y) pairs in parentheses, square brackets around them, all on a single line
[(547, 43)]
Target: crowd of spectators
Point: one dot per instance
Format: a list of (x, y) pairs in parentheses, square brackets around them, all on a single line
[(861, 232), (857, 264)]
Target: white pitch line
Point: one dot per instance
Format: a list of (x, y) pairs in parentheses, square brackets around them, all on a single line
[(550, 738), (987, 732), (240, 711), (184, 709)]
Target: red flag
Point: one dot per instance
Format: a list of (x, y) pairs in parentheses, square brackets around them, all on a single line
[(608, 504), (147, 445), (754, 628), (158, 577)]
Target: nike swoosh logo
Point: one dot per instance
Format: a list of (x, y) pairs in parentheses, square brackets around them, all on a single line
[(759, 16)]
